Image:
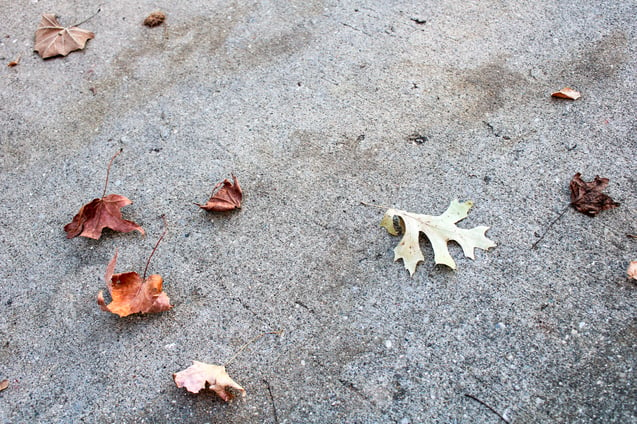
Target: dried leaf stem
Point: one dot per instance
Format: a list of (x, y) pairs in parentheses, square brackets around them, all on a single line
[(375, 206), (108, 170), (89, 18), (534, 246), (156, 244), (492, 409), (242, 348)]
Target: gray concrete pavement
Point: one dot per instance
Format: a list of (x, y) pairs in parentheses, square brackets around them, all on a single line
[(317, 106)]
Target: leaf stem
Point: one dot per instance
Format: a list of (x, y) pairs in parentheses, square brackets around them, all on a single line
[(242, 348), (108, 170), (375, 206), (90, 17), (492, 409), (156, 244), (534, 246)]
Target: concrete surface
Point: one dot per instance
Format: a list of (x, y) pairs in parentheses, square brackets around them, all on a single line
[(317, 106)]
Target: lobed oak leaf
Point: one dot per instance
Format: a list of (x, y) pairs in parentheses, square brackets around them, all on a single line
[(199, 375), (52, 39), (567, 93), (226, 199), (130, 294), (587, 197), (439, 230), (99, 214)]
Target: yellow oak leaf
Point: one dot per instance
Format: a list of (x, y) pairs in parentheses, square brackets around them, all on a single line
[(439, 230)]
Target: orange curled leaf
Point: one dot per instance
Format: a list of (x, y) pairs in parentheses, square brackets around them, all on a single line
[(99, 214), (131, 295), (587, 197), (52, 39), (226, 199), (199, 375), (4, 384), (567, 93)]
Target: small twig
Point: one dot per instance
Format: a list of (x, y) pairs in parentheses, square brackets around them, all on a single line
[(156, 244), (549, 227), (90, 17), (376, 206), (488, 406), (276, 417), (631, 236), (108, 170), (241, 349)]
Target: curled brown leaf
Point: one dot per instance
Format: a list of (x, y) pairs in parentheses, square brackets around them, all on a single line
[(155, 19), (632, 270), (587, 197), (226, 199), (567, 93)]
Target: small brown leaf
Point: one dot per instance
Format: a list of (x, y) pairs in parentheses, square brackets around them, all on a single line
[(226, 199), (567, 93), (14, 62), (199, 375), (131, 295), (4, 384), (99, 214), (155, 19), (51, 39), (632, 270), (587, 197)]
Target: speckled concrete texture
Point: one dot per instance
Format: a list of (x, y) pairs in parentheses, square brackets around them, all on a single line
[(318, 106)]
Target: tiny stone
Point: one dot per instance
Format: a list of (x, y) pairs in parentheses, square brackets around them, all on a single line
[(388, 344)]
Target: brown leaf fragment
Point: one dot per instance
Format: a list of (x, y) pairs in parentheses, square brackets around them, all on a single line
[(52, 39), (199, 375), (587, 197), (226, 199), (99, 214), (14, 62), (4, 384), (131, 295), (155, 19), (632, 270), (567, 93)]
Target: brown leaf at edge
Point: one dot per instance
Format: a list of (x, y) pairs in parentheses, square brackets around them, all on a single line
[(99, 214), (632, 270), (4, 384), (587, 197), (226, 199), (567, 93), (155, 19), (52, 39), (199, 375), (131, 295)]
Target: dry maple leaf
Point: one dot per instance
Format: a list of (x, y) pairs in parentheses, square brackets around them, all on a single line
[(52, 39), (199, 375), (101, 213), (155, 19), (632, 270), (439, 229), (567, 93), (226, 199), (130, 294), (587, 197)]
